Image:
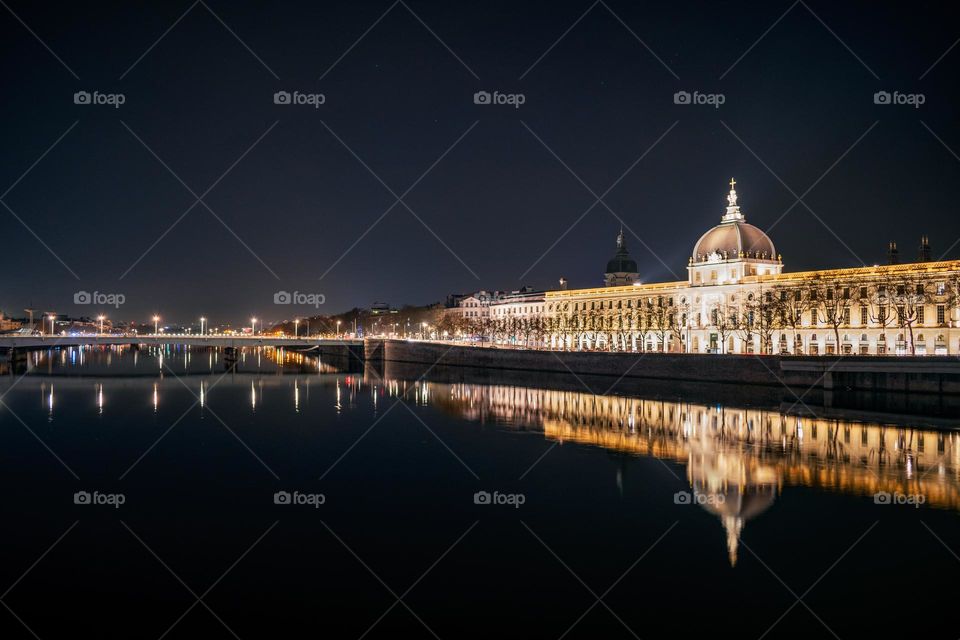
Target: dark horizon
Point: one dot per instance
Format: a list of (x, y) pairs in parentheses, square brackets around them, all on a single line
[(300, 197)]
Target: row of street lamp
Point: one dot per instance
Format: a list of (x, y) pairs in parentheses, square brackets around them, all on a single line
[(203, 322)]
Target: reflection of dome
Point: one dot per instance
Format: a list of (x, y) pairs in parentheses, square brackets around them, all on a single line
[(734, 235), (735, 506)]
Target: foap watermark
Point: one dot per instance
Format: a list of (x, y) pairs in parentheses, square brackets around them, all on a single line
[(96, 498), (512, 499), (885, 497), (710, 99), (685, 497), (908, 99), (299, 297), (512, 99), (299, 98), (99, 298), (299, 499), (96, 98)]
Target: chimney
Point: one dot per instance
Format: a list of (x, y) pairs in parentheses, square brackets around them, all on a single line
[(893, 256), (924, 249)]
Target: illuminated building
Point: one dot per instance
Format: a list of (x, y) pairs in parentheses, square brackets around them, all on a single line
[(738, 299)]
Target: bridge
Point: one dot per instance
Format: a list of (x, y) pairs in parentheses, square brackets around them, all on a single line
[(323, 345)]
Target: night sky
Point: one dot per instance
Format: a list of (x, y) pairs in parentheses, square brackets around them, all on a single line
[(490, 190)]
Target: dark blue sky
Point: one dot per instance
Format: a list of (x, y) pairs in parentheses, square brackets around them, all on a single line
[(800, 99)]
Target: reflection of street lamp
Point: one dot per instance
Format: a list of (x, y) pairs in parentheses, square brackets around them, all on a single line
[(202, 320), (253, 326), (100, 318), (156, 325)]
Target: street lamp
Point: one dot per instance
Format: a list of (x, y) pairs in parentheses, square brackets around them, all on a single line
[(296, 328), (100, 318), (253, 326), (156, 325), (202, 320), (338, 329)]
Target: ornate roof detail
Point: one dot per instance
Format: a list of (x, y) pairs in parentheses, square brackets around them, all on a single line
[(734, 237)]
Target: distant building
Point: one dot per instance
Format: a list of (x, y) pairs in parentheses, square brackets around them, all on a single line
[(472, 306), (9, 324), (522, 303), (381, 309)]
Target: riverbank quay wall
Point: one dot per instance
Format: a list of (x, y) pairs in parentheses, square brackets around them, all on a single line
[(910, 374)]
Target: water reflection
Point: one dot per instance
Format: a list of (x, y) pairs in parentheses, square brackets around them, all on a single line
[(736, 459)]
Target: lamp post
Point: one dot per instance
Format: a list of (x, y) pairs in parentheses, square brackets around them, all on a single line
[(338, 329), (296, 328), (51, 318), (156, 325), (202, 320), (253, 326), (100, 318)]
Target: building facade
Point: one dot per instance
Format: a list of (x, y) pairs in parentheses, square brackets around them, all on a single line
[(737, 298)]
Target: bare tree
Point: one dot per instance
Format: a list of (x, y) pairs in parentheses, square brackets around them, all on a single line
[(680, 323), (724, 319), (880, 303), (910, 297), (833, 299)]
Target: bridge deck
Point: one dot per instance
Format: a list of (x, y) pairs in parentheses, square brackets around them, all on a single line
[(43, 342)]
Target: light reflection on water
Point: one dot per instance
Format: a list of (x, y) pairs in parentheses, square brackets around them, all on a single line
[(737, 459)]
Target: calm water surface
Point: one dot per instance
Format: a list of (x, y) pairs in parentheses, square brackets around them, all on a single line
[(286, 497)]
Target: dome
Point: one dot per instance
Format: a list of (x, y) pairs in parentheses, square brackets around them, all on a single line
[(621, 261), (734, 235)]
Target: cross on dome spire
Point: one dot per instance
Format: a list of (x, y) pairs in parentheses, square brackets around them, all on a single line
[(733, 209)]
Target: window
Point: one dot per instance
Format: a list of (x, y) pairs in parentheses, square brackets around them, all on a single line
[(863, 316), (941, 314), (941, 288), (813, 294), (846, 293), (863, 292), (829, 294), (920, 314), (813, 317), (920, 290), (846, 316)]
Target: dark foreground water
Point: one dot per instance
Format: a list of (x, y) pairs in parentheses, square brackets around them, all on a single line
[(150, 495)]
